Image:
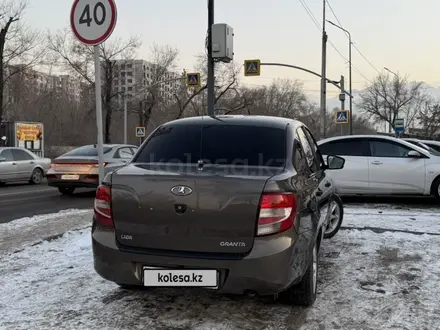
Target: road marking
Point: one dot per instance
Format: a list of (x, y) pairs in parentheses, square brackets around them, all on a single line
[(26, 192)]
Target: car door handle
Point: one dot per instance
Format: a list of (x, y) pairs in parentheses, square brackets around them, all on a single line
[(32, 163), (327, 184), (14, 163), (376, 162)]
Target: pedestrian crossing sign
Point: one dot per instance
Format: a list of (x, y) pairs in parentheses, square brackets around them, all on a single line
[(342, 117), (252, 67), (140, 132), (193, 80)]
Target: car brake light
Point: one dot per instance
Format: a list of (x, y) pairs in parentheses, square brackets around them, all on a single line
[(277, 213), (97, 164), (102, 208)]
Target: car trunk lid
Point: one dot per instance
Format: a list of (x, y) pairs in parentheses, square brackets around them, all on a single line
[(165, 208)]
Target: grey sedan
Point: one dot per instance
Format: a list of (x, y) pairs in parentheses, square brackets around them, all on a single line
[(19, 164), (79, 168)]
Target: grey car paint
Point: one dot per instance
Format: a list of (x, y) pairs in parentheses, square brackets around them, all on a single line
[(148, 230), (19, 164)]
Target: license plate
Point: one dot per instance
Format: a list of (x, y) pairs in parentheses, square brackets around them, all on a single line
[(69, 177), (180, 277)]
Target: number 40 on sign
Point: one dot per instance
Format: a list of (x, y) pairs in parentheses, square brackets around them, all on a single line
[(93, 21)]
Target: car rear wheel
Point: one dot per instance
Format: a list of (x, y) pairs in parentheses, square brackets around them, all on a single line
[(304, 293), (336, 216), (66, 190), (435, 189), (36, 176)]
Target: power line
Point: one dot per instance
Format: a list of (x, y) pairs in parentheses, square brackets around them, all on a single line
[(333, 12), (310, 13), (365, 58), (340, 24)]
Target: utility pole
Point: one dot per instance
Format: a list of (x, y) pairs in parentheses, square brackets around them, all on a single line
[(351, 90), (342, 98), (125, 119), (211, 96), (323, 74), (349, 71)]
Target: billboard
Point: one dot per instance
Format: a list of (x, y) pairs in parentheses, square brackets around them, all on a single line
[(29, 135)]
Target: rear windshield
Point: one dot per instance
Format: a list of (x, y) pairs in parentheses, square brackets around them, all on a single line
[(86, 151), (216, 144)]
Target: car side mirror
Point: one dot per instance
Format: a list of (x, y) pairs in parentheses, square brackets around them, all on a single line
[(335, 162), (2, 159), (414, 154)]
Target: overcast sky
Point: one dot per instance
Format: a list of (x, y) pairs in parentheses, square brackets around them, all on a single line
[(399, 34)]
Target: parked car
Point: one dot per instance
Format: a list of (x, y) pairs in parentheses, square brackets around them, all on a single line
[(423, 145), (382, 165), (230, 203), (78, 168), (433, 144), (19, 164)]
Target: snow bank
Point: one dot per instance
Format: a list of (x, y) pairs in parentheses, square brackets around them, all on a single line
[(366, 281), (25, 231)]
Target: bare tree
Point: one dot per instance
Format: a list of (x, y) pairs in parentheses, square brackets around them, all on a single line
[(20, 46), (161, 78), (389, 98), (429, 118), (77, 59)]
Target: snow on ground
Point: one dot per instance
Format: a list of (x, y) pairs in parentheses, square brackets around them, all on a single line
[(367, 281), (33, 229), (420, 221)]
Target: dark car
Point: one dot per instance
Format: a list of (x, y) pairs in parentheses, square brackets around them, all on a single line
[(231, 203)]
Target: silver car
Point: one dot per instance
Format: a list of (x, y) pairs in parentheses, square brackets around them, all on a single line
[(19, 164), (78, 168)]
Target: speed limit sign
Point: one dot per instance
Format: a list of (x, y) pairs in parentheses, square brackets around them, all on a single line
[(93, 21)]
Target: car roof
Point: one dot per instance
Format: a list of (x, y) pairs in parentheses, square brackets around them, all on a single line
[(109, 145), (431, 141), (262, 121), (382, 137)]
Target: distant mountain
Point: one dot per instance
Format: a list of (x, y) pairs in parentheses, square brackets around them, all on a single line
[(334, 102)]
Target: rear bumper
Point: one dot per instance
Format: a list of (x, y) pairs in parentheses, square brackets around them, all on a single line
[(273, 265), (85, 181)]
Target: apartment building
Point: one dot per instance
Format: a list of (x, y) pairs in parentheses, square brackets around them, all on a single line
[(26, 81), (133, 77)]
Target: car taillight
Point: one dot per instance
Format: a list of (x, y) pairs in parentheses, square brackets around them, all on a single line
[(103, 209), (97, 164), (277, 213)]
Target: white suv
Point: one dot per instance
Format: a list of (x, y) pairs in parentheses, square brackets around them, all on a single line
[(382, 165)]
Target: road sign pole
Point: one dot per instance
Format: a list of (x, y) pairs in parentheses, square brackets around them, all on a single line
[(92, 22), (99, 113), (125, 119), (211, 96), (342, 101)]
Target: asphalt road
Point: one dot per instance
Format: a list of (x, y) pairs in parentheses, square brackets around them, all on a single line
[(24, 200)]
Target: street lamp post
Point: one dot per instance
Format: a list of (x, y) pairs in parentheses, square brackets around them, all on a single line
[(397, 79), (349, 73)]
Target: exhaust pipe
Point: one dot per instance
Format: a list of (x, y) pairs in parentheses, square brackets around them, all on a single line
[(251, 294)]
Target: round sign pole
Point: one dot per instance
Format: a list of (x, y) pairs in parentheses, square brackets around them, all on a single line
[(92, 22)]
